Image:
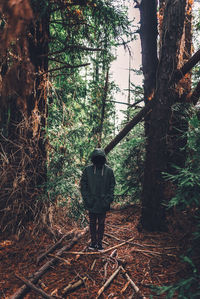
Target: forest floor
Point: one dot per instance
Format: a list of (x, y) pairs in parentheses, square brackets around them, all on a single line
[(149, 259)]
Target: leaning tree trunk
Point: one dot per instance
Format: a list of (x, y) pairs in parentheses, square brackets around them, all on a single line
[(23, 153), (156, 162)]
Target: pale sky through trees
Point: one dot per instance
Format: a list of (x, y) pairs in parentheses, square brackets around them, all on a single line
[(120, 67)]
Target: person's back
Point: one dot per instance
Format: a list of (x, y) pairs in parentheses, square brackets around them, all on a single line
[(97, 189)]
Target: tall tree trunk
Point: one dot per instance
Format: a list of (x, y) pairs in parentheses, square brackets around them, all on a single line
[(23, 153), (104, 98), (148, 36), (179, 123), (156, 162)]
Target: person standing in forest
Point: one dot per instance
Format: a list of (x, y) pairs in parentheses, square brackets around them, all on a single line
[(97, 190)]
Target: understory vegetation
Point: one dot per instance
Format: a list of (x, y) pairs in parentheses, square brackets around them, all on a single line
[(186, 199), (58, 100)]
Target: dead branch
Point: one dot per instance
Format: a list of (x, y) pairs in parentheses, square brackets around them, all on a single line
[(178, 75), (125, 287), (112, 236), (60, 259), (52, 248), (106, 284), (65, 67), (116, 226), (60, 22), (119, 245), (72, 287), (137, 118), (97, 252), (112, 255), (93, 264), (24, 289), (75, 47), (136, 289), (33, 287), (134, 244)]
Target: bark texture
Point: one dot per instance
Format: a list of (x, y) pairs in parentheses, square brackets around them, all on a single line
[(156, 162), (148, 36), (23, 120)]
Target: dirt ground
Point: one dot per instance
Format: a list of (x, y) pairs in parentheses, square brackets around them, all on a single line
[(149, 259)]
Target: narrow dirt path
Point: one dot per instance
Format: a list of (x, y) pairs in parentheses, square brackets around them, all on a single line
[(149, 259)]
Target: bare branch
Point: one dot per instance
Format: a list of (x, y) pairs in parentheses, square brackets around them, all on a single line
[(75, 47), (23, 290), (66, 67), (178, 75), (33, 287), (137, 118), (60, 22)]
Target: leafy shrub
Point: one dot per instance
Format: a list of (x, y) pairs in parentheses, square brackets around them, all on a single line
[(187, 181), (128, 163)]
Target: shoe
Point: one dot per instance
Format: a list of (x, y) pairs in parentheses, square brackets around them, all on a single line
[(100, 248), (92, 246)]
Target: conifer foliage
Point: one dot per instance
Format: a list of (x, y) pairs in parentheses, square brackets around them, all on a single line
[(55, 62)]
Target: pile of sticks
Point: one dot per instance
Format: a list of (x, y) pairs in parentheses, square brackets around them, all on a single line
[(31, 284)]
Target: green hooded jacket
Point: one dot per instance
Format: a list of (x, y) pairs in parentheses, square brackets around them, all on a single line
[(97, 185)]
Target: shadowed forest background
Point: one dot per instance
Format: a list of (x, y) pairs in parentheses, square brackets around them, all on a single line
[(57, 100)]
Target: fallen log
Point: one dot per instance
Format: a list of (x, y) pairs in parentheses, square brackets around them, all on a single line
[(34, 288), (36, 276), (52, 248)]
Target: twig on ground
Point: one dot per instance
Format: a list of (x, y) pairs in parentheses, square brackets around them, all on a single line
[(113, 237), (115, 226), (125, 287), (112, 255), (136, 289), (106, 243), (93, 264), (52, 248), (97, 252), (60, 258), (106, 284), (24, 289), (132, 243), (78, 255), (72, 287)]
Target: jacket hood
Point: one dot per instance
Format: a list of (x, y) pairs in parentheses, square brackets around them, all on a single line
[(98, 152)]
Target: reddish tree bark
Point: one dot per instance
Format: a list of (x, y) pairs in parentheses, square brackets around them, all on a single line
[(156, 162), (23, 135)]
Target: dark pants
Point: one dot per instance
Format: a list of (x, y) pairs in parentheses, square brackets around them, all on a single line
[(97, 233)]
